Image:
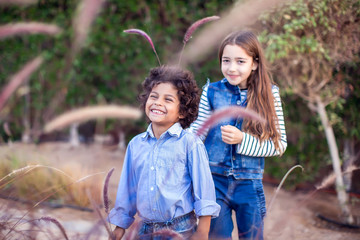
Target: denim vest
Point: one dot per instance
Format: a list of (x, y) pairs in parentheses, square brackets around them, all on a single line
[(223, 157)]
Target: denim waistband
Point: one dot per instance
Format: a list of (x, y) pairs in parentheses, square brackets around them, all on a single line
[(154, 226)]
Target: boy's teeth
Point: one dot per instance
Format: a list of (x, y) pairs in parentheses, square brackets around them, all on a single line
[(156, 111)]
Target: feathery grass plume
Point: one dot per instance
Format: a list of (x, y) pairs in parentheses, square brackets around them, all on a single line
[(105, 190), (21, 172), (167, 234), (239, 16), (87, 11), (330, 179), (17, 2), (192, 28), (12, 228), (147, 37), (7, 129), (57, 223), (94, 112), (15, 29), (228, 112), (281, 183), (19, 78), (98, 212)]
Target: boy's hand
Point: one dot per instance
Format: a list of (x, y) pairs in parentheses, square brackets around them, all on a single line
[(117, 234), (202, 231), (231, 134)]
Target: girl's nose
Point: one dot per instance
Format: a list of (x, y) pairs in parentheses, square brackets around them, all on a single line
[(232, 67)]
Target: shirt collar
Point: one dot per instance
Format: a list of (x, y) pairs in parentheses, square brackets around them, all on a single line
[(174, 130)]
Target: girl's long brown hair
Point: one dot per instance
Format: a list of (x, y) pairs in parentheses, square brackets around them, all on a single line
[(259, 85)]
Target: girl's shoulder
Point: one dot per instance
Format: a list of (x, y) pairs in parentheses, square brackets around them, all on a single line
[(275, 89)]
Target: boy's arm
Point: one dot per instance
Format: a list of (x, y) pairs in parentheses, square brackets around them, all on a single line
[(203, 228), (117, 234)]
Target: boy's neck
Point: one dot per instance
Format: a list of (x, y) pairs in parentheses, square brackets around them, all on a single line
[(158, 130)]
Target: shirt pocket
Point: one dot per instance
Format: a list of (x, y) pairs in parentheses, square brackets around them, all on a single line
[(171, 171)]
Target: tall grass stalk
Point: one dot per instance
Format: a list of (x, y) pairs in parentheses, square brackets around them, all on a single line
[(228, 112), (105, 190), (57, 223), (17, 2), (19, 173), (19, 78), (16, 29), (86, 13), (280, 185), (98, 212), (45, 198), (147, 37), (192, 28), (93, 112)]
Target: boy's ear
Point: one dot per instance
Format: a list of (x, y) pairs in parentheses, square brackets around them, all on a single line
[(255, 65), (181, 116)]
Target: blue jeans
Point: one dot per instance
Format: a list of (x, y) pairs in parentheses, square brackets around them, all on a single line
[(246, 197), (184, 225)]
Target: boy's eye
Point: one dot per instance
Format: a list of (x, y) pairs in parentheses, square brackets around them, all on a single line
[(152, 96), (169, 99)]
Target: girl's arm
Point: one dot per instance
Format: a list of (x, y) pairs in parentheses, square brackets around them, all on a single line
[(251, 146), (204, 113), (203, 228)]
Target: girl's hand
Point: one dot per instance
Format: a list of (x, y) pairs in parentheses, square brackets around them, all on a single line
[(117, 234), (231, 134)]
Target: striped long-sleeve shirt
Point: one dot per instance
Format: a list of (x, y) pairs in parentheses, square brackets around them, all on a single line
[(250, 145)]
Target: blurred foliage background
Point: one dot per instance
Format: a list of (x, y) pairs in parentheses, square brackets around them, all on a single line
[(112, 65)]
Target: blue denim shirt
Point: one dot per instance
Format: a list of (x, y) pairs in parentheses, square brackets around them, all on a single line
[(223, 157), (164, 178)]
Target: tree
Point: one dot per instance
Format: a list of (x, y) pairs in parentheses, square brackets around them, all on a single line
[(307, 40)]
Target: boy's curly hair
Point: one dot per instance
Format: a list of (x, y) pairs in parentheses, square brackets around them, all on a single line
[(187, 89)]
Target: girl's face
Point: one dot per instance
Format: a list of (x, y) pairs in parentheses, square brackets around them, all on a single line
[(236, 65), (162, 106)]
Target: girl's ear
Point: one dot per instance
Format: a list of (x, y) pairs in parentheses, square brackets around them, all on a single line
[(255, 65)]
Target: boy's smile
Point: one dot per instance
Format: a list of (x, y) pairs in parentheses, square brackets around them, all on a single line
[(162, 107)]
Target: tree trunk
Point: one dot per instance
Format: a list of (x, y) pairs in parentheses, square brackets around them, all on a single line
[(349, 159), (330, 137)]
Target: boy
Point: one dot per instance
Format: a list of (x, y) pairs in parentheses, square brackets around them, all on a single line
[(166, 177)]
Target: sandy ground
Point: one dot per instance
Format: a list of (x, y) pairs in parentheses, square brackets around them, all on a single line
[(293, 215)]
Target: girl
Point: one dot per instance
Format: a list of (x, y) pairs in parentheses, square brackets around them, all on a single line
[(237, 147)]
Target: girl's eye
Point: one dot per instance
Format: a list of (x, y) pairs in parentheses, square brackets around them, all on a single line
[(241, 61), (152, 96), (225, 60)]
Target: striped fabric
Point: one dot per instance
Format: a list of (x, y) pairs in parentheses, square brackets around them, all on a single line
[(250, 146)]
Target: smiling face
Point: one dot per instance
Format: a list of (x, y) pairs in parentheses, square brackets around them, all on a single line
[(162, 107), (236, 65)]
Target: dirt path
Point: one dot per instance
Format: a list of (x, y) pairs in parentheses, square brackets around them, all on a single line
[(289, 218)]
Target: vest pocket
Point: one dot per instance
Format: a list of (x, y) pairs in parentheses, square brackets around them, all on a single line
[(250, 162)]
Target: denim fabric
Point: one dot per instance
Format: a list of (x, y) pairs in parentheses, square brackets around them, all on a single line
[(223, 157), (184, 225), (246, 197)]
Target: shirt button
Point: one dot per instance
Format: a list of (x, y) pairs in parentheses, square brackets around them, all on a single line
[(238, 102), (152, 188), (233, 157), (154, 209), (152, 168)]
